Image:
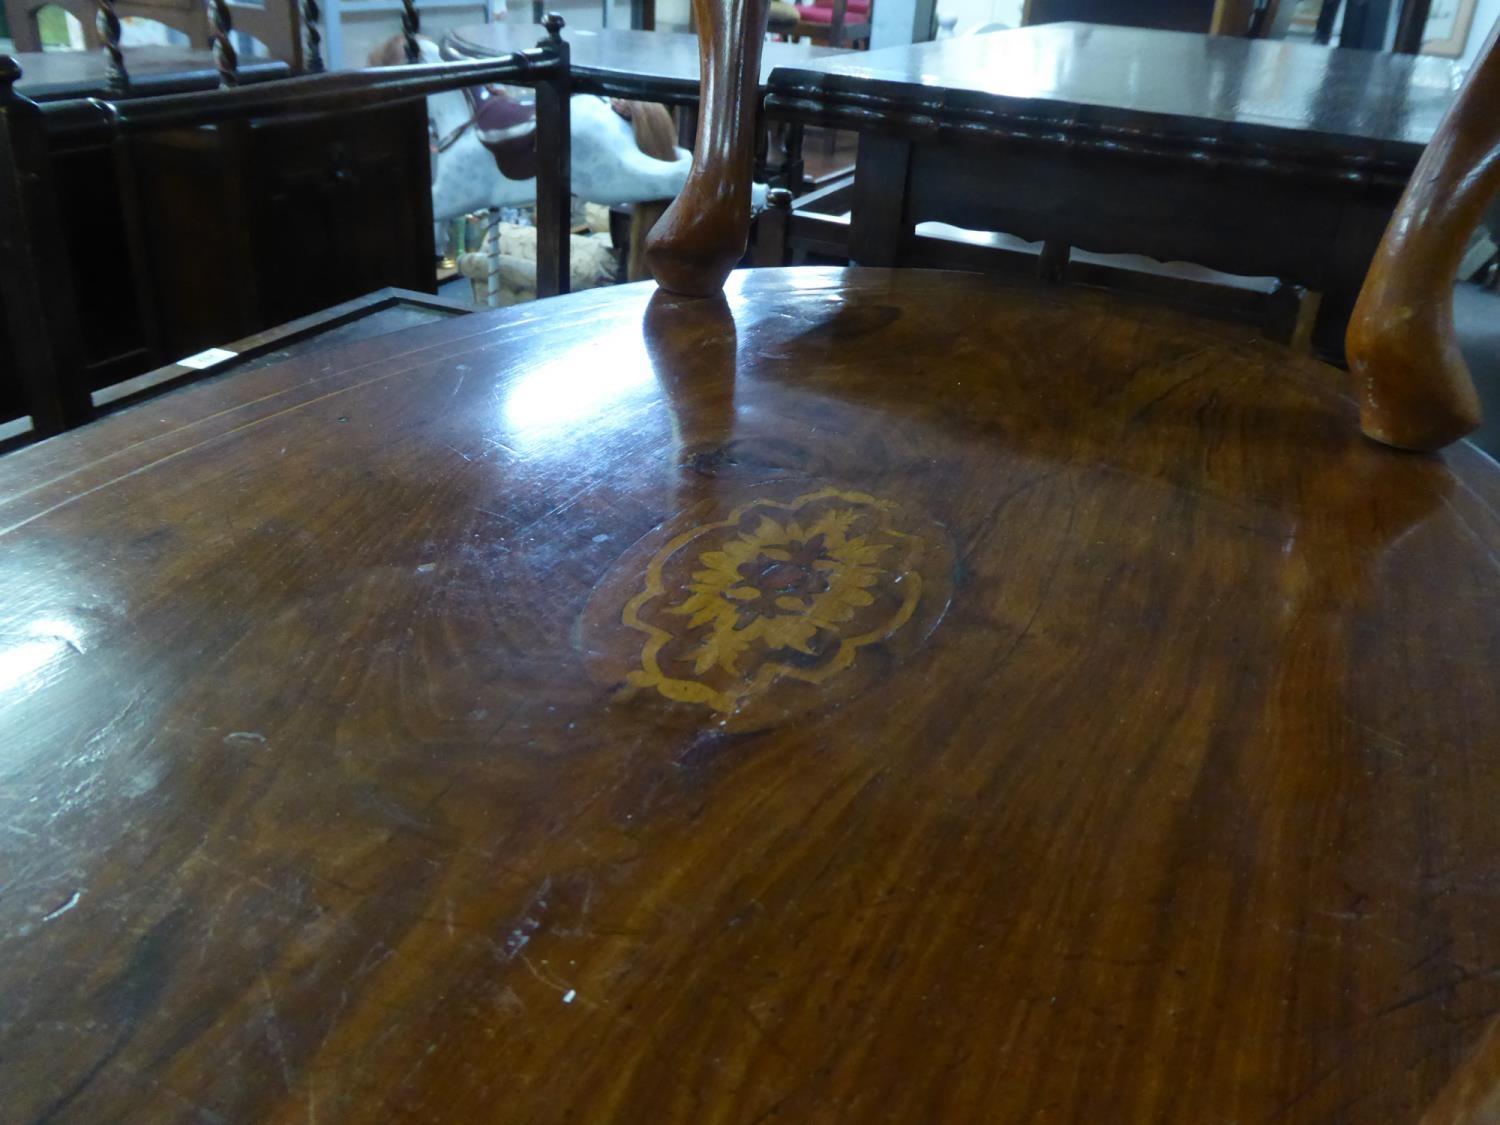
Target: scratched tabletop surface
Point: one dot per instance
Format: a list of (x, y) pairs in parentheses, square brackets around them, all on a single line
[(870, 697)]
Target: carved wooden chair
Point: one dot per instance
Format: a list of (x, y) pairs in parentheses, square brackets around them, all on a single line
[(835, 23)]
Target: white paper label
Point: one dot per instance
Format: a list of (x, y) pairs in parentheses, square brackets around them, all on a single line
[(206, 359)]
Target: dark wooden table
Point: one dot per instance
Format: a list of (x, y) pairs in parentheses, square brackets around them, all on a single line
[(660, 66), (627, 710), (1250, 156), (50, 75)]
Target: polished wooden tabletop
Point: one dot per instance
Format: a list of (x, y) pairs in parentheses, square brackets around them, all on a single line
[(668, 58), (1269, 90), (872, 697)]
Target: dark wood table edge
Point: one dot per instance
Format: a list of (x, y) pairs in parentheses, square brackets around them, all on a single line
[(171, 381), (921, 112), (171, 376), (213, 401), (178, 402)]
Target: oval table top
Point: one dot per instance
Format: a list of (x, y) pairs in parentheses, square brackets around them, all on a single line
[(873, 697)]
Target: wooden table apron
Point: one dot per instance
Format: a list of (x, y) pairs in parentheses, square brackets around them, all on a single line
[(1301, 203), (1108, 732)]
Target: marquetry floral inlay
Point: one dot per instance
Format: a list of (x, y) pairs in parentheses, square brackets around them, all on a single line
[(775, 590)]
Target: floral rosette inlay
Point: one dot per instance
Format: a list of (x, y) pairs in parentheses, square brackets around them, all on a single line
[(774, 591)]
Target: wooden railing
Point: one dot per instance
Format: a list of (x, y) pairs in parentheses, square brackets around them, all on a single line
[(37, 286)]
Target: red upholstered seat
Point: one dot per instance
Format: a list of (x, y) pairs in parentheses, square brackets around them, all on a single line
[(851, 8), (816, 13)]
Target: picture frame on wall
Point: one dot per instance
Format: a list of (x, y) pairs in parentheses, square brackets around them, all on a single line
[(1448, 24)]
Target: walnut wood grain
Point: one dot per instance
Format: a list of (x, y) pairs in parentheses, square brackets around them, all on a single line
[(1174, 803), (704, 232), (1415, 389)]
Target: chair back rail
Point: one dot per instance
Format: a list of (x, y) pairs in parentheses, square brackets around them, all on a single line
[(1413, 386)]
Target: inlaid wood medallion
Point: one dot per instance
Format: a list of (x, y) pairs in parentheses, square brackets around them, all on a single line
[(776, 606)]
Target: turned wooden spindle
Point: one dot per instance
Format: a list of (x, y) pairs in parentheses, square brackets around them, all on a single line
[(1414, 388), (312, 55), (553, 24), (107, 23), (411, 27), (10, 74), (704, 232), (220, 31)]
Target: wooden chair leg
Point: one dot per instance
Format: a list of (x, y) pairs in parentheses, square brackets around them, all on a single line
[(492, 277), (1052, 265), (771, 229), (1289, 316)]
